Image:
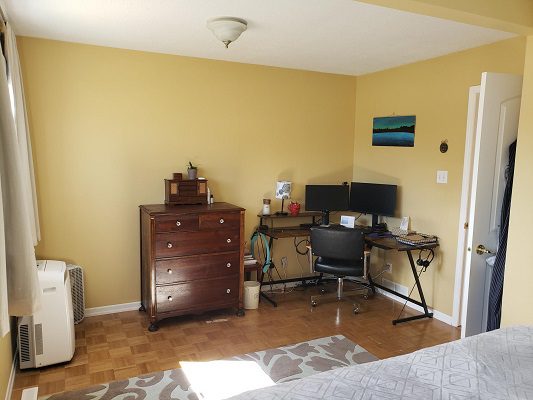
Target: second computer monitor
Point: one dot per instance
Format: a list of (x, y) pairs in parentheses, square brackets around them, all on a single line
[(373, 198), (326, 198)]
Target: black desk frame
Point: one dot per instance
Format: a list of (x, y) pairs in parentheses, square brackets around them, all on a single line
[(392, 244), (274, 233)]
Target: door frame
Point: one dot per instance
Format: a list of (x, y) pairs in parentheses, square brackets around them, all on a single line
[(464, 212)]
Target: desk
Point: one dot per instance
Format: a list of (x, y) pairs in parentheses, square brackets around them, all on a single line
[(390, 243), (285, 217), (283, 232)]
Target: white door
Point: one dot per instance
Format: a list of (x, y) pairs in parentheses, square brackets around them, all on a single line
[(497, 127)]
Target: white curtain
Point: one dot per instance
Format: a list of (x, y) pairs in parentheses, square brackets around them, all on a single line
[(14, 78), (20, 227), (4, 313)]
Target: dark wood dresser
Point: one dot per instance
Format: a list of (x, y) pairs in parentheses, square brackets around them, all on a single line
[(191, 259)]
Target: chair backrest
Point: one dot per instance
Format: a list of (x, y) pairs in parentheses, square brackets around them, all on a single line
[(338, 243)]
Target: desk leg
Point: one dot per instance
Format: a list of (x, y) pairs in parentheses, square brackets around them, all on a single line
[(371, 284), (261, 293), (423, 303)]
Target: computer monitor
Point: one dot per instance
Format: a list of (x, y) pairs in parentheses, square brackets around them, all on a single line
[(326, 198), (373, 198)]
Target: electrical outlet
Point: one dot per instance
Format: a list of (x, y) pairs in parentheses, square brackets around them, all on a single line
[(388, 267), (284, 262)]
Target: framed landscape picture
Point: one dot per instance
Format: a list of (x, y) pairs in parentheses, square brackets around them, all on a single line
[(394, 131)]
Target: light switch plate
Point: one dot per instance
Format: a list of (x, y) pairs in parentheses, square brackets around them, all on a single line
[(442, 176)]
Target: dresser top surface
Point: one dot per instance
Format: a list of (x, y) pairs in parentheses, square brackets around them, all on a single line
[(162, 209)]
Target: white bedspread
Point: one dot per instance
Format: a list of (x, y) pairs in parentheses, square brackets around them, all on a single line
[(495, 365)]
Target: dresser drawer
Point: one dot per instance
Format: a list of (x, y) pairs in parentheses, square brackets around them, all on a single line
[(190, 243), (198, 294), (176, 223), (196, 267), (220, 221)]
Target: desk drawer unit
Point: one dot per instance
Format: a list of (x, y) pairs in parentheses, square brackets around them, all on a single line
[(191, 259)]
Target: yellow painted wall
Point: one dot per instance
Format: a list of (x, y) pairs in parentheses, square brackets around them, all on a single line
[(6, 361), (109, 125), (517, 294), (436, 91), (509, 15)]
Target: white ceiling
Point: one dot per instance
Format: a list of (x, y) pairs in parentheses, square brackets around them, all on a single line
[(336, 36)]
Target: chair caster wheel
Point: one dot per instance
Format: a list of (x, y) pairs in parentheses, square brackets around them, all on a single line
[(356, 310), (322, 291), (313, 303), (153, 328), (366, 296)]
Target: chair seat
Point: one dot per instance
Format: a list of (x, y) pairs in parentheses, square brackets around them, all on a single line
[(339, 268)]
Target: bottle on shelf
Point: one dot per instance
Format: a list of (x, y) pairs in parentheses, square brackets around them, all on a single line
[(266, 207)]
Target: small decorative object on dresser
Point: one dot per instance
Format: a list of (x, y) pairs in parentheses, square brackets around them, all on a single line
[(191, 259), (188, 191), (192, 171)]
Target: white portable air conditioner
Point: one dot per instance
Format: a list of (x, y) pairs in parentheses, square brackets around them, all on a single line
[(78, 294), (47, 337)]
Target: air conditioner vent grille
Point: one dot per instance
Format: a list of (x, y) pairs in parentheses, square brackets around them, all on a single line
[(78, 296), (24, 337)]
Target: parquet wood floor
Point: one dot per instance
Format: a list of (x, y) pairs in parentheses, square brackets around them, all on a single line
[(119, 346)]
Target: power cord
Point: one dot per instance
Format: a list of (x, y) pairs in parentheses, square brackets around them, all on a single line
[(297, 246)]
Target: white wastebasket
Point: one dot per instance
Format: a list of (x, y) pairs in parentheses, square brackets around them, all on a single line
[(251, 295)]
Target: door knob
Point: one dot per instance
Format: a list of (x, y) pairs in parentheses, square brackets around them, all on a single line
[(480, 249)]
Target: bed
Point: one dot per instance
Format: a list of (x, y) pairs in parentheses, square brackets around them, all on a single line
[(495, 365)]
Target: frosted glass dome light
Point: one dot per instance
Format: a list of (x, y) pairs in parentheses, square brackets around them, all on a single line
[(227, 29)]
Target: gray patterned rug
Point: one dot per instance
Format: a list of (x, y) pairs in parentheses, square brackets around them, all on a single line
[(281, 365)]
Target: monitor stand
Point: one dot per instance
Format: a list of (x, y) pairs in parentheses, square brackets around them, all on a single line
[(377, 227), (374, 221), (325, 218)]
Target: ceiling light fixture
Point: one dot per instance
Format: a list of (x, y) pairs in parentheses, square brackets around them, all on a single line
[(227, 29)]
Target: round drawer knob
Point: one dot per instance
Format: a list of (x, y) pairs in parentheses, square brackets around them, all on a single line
[(228, 290), (169, 298), (169, 245), (178, 223), (228, 265), (221, 220), (228, 240), (169, 271)]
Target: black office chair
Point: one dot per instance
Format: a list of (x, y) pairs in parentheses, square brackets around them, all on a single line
[(340, 252)]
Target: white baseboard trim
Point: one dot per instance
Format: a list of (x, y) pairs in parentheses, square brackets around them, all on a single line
[(116, 308), (279, 286), (112, 309), (9, 389), (447, 319)]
